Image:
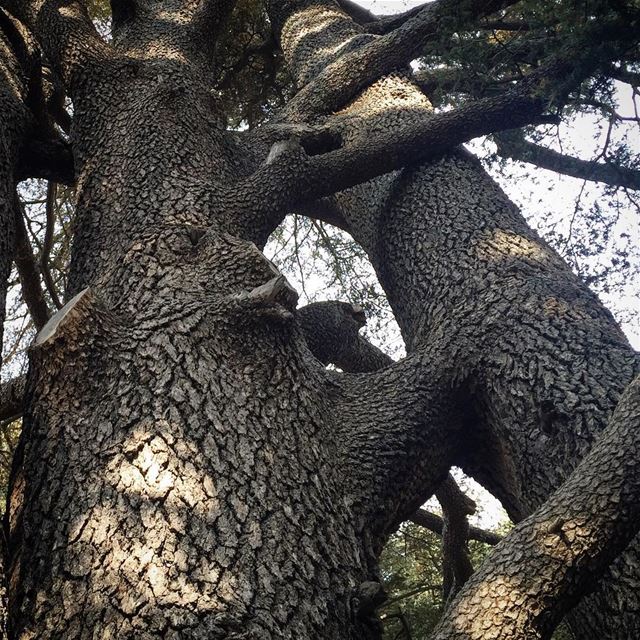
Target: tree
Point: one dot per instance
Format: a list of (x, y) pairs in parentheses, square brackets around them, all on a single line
[(187, 468)]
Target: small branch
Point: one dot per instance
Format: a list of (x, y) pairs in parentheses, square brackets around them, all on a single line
[(514, 146), (435, 523), (12, 398), (29, 276), (456, 562)]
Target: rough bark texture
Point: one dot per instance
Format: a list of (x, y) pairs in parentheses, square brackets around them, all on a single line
[(14, 121), (187, 469), (574, 535), (545, 362)]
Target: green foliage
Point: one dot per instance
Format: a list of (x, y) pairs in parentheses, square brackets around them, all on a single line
[(411, 571)]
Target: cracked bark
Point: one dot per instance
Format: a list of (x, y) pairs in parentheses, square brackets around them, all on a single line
[(541, 568), (546, 363), (13, 126), (186, 469)]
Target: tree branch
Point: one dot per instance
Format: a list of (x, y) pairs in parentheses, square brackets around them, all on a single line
[(513, 145), (456, 563), (554, 557), (331, 331), (435, 523), (290, 176), (29, 274), (373, 23), (343, 79), (12, 398), (50, 159), (66, 33)]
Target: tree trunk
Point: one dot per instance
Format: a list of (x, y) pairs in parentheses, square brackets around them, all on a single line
[(186, 468), (544, 361)]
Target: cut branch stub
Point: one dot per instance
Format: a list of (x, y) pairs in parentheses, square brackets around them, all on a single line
[(276, 298), (71, 314)]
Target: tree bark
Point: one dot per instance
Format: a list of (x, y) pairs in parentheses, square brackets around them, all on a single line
[(186, 469), (545, 363), (13, 127)]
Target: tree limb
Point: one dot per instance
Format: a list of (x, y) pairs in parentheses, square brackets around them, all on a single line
[(373, 23), (290, 176), (513, 145), (50, 159), (12, 398), (353, 71), (435, 523), (554, 557), (456, 562), (66, 33), (331, 331), (29, 274)]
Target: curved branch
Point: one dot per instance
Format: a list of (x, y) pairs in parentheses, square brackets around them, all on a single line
[(334, 87), (514, 146), (291, 177), (554, 557), (372, 23)]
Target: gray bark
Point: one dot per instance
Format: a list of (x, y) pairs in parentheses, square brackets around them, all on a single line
[(187, 469), (545, 363), (13, 126)]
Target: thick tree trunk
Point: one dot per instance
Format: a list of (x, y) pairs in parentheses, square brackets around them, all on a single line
[(187, 469), (464, 273)]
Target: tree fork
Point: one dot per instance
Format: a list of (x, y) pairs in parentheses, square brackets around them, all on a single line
[(410, 230)]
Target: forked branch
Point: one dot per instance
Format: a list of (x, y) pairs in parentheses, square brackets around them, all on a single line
[(554, 557)]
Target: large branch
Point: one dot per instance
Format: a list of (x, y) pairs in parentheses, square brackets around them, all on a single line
[(514, 146), (378, 24), (66, 32), (290, 176), (334, 87), (331, 330), (552, 559)]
